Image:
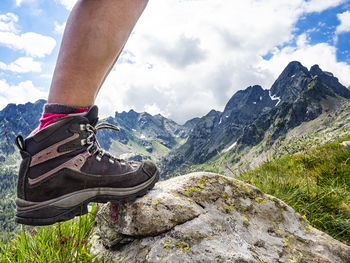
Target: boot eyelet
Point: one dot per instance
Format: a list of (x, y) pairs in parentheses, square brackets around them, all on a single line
[(82, 127), (83, 142), (111, 161), (98, 158)]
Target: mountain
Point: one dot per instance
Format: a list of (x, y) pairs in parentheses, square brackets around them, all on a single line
[(142, 136), (18, 119), (214, 131), (251, 116), (296, 78), (254, 114), (302, 96), (191, 123), (305, 106)]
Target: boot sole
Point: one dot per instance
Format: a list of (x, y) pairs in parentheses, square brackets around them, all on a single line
[(74, 204)]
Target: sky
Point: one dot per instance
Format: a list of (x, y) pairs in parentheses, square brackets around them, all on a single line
[(184, 57)]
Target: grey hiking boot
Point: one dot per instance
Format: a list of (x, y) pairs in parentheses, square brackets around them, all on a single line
[(63, 169)]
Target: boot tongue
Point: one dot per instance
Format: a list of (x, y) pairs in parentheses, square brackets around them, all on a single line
[(92, 115)]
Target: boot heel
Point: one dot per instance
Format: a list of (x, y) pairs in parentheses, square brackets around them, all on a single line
[(49, 215)]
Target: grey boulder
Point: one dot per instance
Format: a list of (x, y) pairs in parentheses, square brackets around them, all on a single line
[(206, 217)]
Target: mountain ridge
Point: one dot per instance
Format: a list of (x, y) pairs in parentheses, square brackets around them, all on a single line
[(298, 95), (249, 117)]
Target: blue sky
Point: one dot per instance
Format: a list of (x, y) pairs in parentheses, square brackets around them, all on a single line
[(39, 17), (321, 27), (184, 57)]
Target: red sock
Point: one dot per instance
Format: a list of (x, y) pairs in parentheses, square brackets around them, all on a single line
[(48, 117)]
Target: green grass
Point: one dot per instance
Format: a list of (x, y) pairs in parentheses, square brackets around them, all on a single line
[(316, 183), (62, 242), (180, 141), (135, 147), (159, 148), (131, 146)]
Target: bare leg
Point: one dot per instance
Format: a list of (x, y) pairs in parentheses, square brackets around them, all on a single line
[(95, 35)]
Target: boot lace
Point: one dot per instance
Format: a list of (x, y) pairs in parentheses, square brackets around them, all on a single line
[(94, 146)]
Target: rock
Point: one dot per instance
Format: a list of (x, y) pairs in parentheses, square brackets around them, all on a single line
[(206, 217)]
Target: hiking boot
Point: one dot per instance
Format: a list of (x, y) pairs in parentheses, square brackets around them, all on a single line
[(64, 168)]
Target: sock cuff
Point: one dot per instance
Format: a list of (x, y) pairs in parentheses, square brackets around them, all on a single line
[(62, 108), (53, 111)]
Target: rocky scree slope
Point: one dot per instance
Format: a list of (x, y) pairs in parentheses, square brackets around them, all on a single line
[(206, 217), (254, 115)]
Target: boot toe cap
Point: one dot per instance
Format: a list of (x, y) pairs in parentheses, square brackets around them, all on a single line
[(149, 168)]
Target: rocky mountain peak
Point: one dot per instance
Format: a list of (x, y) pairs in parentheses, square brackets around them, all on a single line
[(246, 104), (328, 79), (293, 80), (206, 217), (135, 120), (131, 114), (192, 123), (252, 95), (253, 98), (206, 124), (294, 67), (316, 70), (244, 97), (212, 113), (21, 118)]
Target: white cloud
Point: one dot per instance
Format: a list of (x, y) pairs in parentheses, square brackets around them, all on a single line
[(46, 76), (68, 3), (33, 44), (7, 22), (320, 5), (22, 65), (59, 28), (153, 109), (191, 56), (20, 2), (344, 19), (21, 93)]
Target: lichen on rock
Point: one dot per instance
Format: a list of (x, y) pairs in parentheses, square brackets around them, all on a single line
[(207, 217)]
